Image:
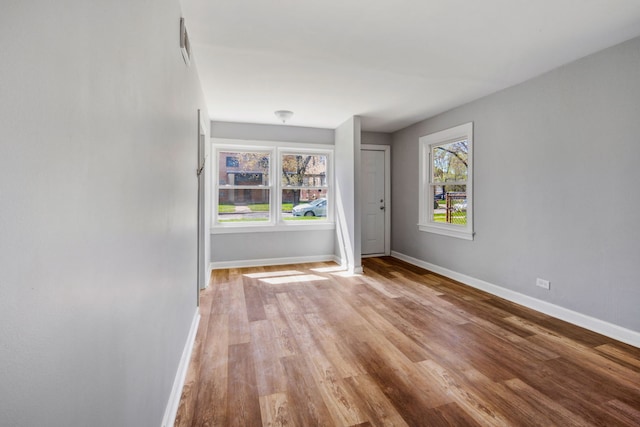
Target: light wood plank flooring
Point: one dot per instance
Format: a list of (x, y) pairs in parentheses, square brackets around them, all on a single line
[(301, 345)]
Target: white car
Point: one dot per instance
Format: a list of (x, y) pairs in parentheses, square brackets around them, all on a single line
[(316, 208)]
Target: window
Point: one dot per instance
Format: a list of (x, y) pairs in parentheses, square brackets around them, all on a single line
[(244, 186), (259, 188), (304, 186), (446, 182)]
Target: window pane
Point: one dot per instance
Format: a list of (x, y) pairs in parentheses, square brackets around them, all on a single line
[(449, 204), (305, 204), (242, 168), (304, 170), (450, 161), (243, 205)]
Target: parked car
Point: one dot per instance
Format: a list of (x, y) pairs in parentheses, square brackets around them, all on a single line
[(316, 208)]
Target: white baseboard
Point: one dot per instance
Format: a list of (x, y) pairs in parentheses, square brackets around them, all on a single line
[(273, 261), (596, 325), (176, 391)]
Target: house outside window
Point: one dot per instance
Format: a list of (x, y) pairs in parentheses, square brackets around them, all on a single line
[(446, 182)]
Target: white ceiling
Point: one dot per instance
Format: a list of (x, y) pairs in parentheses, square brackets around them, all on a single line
[(392, 62)]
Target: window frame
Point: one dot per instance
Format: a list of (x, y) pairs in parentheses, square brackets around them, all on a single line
[(276, 150), (329, 188), (221, 148), (425, 198)]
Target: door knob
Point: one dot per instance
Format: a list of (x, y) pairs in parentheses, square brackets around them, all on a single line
[(381, 208)]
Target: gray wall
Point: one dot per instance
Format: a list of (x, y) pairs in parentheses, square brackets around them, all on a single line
[(556, 176), (98, 211), (376, 138), (277, 245), (247, 247)]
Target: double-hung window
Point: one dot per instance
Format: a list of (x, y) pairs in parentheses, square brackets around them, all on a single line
[(446, 182), (304, 185), (244, 185), (268, 186)]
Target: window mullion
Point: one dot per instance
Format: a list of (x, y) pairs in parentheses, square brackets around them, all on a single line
[(277, 183), (448, 183)]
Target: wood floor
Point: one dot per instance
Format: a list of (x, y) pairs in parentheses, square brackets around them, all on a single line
[(301, 345)]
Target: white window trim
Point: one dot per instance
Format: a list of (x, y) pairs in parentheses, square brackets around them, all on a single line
[(217, 149), (282, 150), (276, 222), (425, 219)]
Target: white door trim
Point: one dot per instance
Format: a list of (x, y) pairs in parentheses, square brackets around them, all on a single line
[(201, 276), (387, 192)]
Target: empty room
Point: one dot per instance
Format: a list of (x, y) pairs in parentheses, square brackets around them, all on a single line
[(291, 213)]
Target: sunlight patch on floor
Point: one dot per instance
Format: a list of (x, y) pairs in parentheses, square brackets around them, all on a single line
[(293, 279), (273, 274), (328, 269), (347, 274)]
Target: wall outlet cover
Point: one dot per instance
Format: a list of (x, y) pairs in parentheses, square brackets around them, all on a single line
[(543, 283)]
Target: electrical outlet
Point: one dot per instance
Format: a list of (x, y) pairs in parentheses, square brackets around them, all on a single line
[(543, 283)]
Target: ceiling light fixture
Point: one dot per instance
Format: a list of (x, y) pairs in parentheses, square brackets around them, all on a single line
[(283, 115)]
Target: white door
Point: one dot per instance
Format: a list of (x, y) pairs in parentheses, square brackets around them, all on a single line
[(374, 202)]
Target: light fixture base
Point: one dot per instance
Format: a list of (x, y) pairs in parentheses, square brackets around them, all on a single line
[(283, 115)]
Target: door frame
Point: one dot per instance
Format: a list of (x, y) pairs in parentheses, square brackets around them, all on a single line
[(201, 262), (387, 195)]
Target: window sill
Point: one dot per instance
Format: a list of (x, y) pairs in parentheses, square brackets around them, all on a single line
[(272, 228), (446, 231)]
